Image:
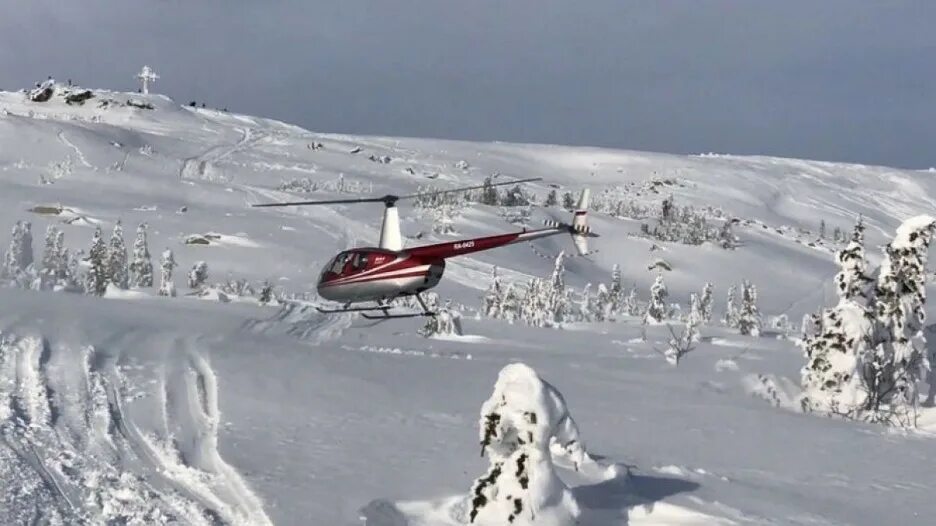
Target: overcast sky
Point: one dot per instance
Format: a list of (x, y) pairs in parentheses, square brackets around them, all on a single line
[(850, 80)]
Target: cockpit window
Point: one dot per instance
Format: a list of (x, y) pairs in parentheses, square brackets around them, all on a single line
[(360, 261), (338, 265)]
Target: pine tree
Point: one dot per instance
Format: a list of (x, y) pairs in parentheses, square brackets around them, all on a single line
[(822, 229), (900, 359), (198, 276), (50, 263), (141, 266), (603, 304), (62, 274), (13, 258), (489, 195), (27, 252), (695, 318), (851, 283), (616, 295), (631, 303), (749, 322), (552, 199), (166, 266), (656, 308), (266, 293), (96, 280), (706, 303), (568, 202), (493, 298), (731, 308), (117, 259)]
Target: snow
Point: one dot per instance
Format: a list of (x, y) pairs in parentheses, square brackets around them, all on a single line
[(147, 408)]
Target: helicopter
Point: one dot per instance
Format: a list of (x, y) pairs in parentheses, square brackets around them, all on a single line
[(389, 271)]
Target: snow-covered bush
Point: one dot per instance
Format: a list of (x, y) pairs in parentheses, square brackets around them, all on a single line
[(680, 344), (198, 276), (523, 425), (141, 266), (446, 322)]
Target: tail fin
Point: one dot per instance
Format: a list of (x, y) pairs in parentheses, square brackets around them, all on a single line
[(580, 231)]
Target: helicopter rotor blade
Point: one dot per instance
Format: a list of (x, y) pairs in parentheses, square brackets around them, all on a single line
[(467, 188), (326, 202), (390, 200)]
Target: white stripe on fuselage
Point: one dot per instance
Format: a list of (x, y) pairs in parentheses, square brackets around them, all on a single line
[(379, 275)]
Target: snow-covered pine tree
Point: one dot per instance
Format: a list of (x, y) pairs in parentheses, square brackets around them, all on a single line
[(12, 258), (266, 293), (616, 294), (585, 305), (27, 253), (822, 229), (557, 296), (900, 359), (552, 198), (198, 276), (117, 259), (61, 260), (656, 308), (603, 304), (706, 303), (96, 279), (852, 282), (568, 201), (731, 308), (489, 195), (519, 422), (749, 322), (74, 281), (141, 265), (166, 265), (50, 265), (632, 303), (695, 318), (492, 303), (446, 322)]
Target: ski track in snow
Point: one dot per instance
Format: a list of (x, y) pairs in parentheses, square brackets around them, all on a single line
[(71, 448), (81, 158), (198, 166)]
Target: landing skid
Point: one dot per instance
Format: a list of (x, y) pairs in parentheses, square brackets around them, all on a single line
[(383, 310)]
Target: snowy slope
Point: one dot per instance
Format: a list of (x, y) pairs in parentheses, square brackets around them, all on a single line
[(202, 412)]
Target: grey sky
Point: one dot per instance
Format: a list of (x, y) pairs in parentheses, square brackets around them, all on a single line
[(832, 79)]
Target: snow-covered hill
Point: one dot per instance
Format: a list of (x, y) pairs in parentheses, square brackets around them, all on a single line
[(136, 407)]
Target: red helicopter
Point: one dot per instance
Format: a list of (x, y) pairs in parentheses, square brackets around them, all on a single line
[(389, 271)]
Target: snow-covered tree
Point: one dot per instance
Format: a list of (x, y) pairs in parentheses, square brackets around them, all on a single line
[(446, 322), (852, 282), (822, 229), (568, 201), (489, 195), (50, 259), (198, 276), (603, 304), (900, 359), (552, 198), (266, 294), (656, 308), (493, 301), (141, 266), (749, 322), (523, 426), (117, 259), (631, 303), (166, 265), (97, 278), (731, 307), (14, 260), (706, 303), (696, 317)]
